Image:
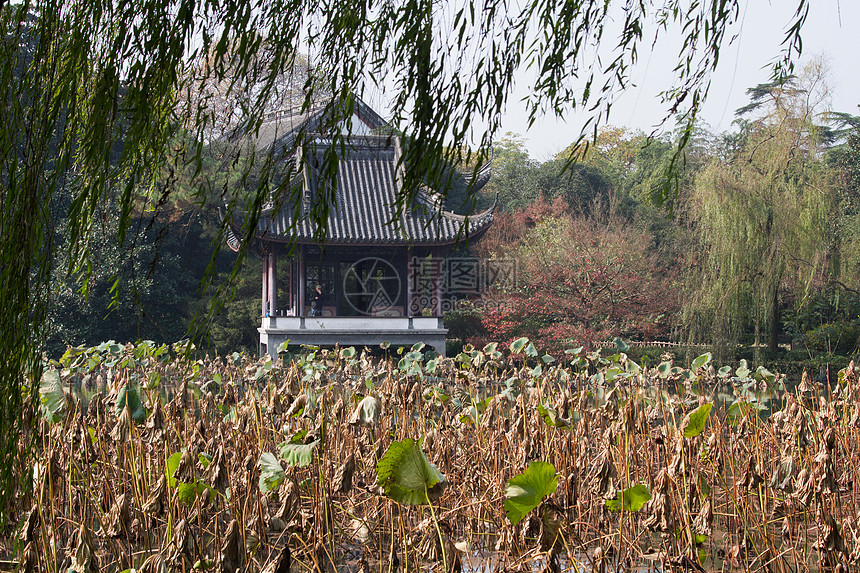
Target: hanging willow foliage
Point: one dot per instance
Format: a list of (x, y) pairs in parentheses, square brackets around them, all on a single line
[(764, 215), (108, 98)]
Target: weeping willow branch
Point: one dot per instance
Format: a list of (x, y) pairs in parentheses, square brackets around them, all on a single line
[(764, 214)]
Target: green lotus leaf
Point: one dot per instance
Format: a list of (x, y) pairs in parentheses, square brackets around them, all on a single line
[(204, 459), (695, 421), (51, 396), (551, 417), (298, 455), (701, 361), (271, 473), (526, 491), (172, 464), (743, 370), (469, 415), (130, 395), (621, 345), (518, 345), (405, 475), (630, 499), (762, 373), (739, 409), (188, 492)]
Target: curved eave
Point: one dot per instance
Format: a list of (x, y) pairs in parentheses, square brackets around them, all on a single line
[(478, 225), (480, 178), (233, 241)]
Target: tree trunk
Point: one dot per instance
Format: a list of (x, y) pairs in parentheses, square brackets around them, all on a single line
[(773, 331)]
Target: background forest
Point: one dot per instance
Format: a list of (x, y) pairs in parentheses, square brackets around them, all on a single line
[(756, 251)]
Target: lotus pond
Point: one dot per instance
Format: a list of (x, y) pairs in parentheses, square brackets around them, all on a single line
[(499, 459)]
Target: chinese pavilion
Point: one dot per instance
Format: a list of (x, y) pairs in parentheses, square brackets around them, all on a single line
[(378, 267)]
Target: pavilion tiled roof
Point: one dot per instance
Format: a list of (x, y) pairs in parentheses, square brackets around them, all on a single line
[(280, 129), (363, 209)]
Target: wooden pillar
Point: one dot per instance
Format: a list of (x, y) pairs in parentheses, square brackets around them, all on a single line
[(301, 305), (265, 286), (273, 282)]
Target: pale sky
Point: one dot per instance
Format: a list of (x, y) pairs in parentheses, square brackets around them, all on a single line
[(831, 30)]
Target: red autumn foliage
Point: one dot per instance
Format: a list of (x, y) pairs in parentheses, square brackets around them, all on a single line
[(579, 280)]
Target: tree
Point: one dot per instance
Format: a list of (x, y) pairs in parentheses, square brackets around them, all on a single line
[(514, 174), (829, 321), (844, 160), (613, 151), (91, 92), (227, 84), (518, 180), (582, 186), (144, 289), (762, 217), (580, 279)]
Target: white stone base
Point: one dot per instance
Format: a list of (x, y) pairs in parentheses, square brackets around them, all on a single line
[(351, 331)]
